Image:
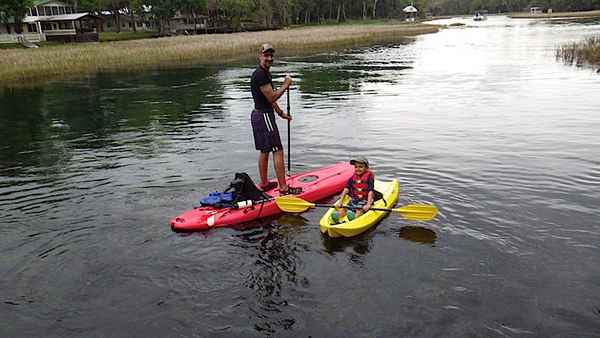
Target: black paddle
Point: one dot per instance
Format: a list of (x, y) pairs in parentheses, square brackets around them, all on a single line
[(289, 146)]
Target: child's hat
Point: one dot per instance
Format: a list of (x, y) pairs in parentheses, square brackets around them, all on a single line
[(362, 160)]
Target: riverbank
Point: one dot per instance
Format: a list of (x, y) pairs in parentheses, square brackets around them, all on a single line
[(586, 14), (21, 66), (587, 51)]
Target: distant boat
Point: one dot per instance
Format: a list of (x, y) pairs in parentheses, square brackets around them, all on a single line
[(479, 16)]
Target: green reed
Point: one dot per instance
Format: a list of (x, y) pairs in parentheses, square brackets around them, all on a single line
[(587, 51), (27, 66)]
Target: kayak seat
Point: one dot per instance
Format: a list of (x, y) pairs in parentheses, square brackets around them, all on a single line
[(335, 219), (378, 196)]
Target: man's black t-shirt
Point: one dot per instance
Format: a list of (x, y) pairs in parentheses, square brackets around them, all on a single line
[(260, 77)]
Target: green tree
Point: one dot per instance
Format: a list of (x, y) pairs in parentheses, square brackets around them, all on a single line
[(231, 12), (193, 8), (422, 6), (16, 9), (115, 7), (92, 6), (4, 14), (163, 11)]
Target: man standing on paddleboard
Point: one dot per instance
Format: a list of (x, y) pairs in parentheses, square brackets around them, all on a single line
[(264, 127)]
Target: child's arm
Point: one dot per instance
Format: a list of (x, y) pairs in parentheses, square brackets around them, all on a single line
[(371, 194), (370, 198), (345, 192)]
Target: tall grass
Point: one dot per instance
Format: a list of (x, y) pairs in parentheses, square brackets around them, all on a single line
[(587, 51), (21, 66), (122, 36)]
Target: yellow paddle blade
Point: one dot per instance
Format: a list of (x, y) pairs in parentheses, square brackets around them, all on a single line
[(292, 204), (420, 212)]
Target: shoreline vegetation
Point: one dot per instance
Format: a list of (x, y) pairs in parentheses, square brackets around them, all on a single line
[(579, 53), (557, 15), (27, 66)]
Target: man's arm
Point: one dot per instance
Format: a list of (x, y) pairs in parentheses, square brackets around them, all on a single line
[(273, 96), (280, 112)]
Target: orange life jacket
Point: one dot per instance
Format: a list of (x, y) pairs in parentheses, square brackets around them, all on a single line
[(359, 188)]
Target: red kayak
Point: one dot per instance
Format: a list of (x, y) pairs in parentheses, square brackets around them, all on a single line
[(316, 185)]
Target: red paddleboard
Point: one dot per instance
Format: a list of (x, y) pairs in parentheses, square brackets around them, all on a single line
[(316, 185)]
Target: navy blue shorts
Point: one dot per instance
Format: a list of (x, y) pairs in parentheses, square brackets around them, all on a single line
[(356, 203), (264, 128)]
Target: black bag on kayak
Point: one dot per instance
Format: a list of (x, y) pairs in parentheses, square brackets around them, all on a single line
[(241, 189)]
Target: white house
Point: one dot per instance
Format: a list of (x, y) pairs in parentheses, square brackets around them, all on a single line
[(535, 10), (127, 21), (410, 13), (52, 20)]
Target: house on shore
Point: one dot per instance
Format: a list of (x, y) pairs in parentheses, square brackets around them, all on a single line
[(49, 20), (410, 13), (180, 23), (126, 21), (184, 23), (536, 10)]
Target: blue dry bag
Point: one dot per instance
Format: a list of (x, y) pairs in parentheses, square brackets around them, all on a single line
[(217, 198)]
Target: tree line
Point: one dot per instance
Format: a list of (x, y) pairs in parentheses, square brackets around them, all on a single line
[(273, 13)]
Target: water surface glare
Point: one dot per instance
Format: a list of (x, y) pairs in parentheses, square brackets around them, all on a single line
[(480, 120)]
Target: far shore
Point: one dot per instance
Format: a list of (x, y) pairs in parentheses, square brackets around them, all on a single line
[(557, 15), (27, 66)]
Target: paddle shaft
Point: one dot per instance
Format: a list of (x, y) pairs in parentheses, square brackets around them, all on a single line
[(347, 207), (297, 204), (288, 130)]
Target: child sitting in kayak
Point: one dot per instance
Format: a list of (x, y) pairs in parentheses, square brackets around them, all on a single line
[(360, 188)]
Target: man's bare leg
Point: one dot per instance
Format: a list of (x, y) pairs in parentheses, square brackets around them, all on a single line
[(279, 165), (263, 165)]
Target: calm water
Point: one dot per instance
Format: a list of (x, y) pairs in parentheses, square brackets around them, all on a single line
[(480, 120)]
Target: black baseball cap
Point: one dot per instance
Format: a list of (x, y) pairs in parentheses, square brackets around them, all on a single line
[(362, 160)]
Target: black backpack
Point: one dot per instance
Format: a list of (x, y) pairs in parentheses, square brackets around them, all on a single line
[(243, 189)]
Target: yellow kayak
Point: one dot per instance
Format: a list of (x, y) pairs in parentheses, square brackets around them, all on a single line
[(346, 228)]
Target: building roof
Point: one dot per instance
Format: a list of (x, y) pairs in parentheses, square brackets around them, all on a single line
[(410, 9), (42, 2), (62, 17)]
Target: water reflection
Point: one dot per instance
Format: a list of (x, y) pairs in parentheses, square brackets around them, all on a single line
[(41, 126), (346, 73), (280, 223), (287, 221), (359, 245), (273, 277), (21, 124), (64, 142), (418, 234)]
